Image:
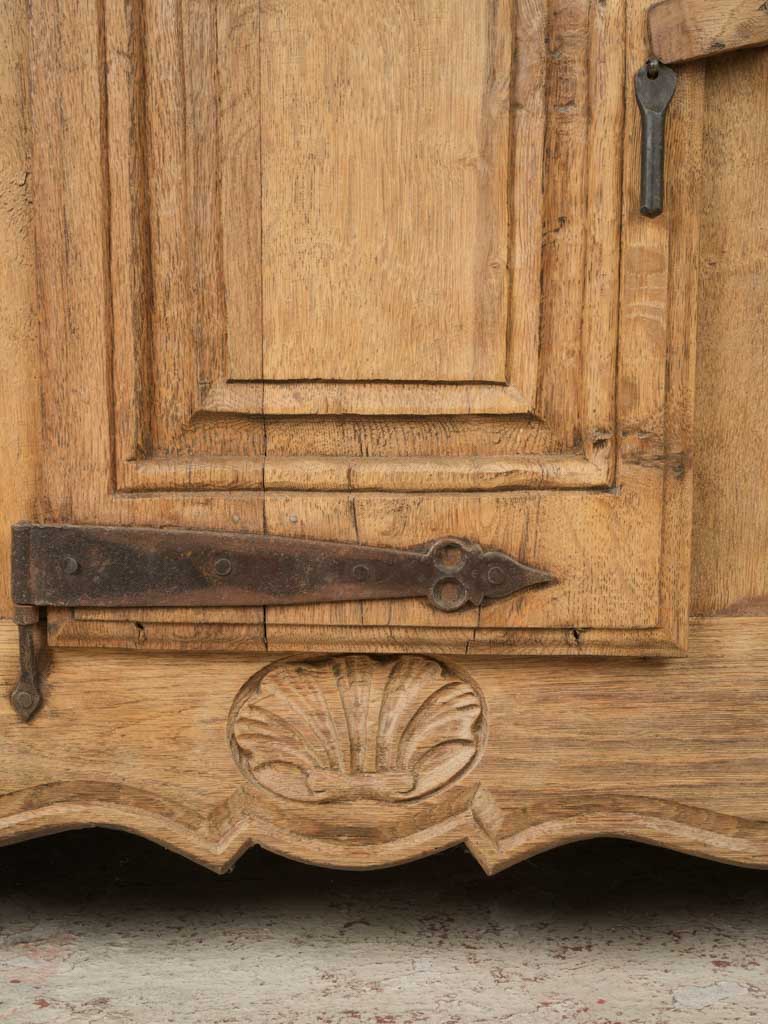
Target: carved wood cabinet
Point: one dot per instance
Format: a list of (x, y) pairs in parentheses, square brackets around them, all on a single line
[(378, 478)]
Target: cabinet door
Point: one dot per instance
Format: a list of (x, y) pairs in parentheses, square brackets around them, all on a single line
[(369, 272)]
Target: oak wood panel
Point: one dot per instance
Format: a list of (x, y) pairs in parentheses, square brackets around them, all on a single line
[(608, 546), (167, 629), (683, 30), (476, 472), (673, 753), (75, 315), (596, 62), (655, 376), (385, 191), (19, 368), (239, 81), (730, 538), (578, 249), (169, 107), (621, 558), (139, 632)]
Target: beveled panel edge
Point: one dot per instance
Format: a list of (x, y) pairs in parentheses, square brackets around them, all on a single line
[(145, 632), (327, 474), (363, 398)]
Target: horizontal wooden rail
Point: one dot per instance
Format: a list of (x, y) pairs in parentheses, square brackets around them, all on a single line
[(683, 30)]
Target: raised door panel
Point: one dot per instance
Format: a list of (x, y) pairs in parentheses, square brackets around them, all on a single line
[(370, 232), (371, 273)]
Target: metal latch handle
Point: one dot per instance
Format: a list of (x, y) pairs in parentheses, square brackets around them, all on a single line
[(655, 85)]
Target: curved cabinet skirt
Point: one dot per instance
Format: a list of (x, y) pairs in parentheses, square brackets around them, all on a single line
[(361, 761)]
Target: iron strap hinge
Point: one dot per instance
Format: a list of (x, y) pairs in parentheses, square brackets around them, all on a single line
[(138, 567)]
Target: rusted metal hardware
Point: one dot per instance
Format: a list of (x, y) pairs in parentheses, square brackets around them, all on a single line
[(655, 85), (26, 695), (115, 566), (125, 567)]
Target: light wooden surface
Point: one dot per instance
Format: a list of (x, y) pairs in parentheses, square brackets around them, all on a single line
[(541, 752), (385, 197), (517, 107), (19, 363), (587, 475), (683, 30), (670, 751), (730, 568)]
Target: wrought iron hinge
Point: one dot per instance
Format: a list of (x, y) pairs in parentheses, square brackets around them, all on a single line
[(33, 656), (126, 567)]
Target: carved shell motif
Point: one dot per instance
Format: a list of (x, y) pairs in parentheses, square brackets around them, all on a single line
[(356, 728)]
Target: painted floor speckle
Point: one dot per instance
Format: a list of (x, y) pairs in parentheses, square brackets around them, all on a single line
[(105, 928)]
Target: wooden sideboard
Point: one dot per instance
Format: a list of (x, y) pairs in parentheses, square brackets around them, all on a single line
[(306, 271)]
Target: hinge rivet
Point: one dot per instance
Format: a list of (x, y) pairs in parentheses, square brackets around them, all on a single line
[(361, 573), (496, 576), (222, 567), (70, 565)]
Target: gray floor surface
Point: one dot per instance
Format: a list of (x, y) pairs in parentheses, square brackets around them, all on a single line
[(105, 928)]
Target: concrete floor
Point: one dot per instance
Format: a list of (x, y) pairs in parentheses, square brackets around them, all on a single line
[(105, 928)]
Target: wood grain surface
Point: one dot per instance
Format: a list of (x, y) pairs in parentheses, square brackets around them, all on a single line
[(588, 476), (385, 196), (19, 362), (671, 752), (683, 30), (533, 752), (730, 568)]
